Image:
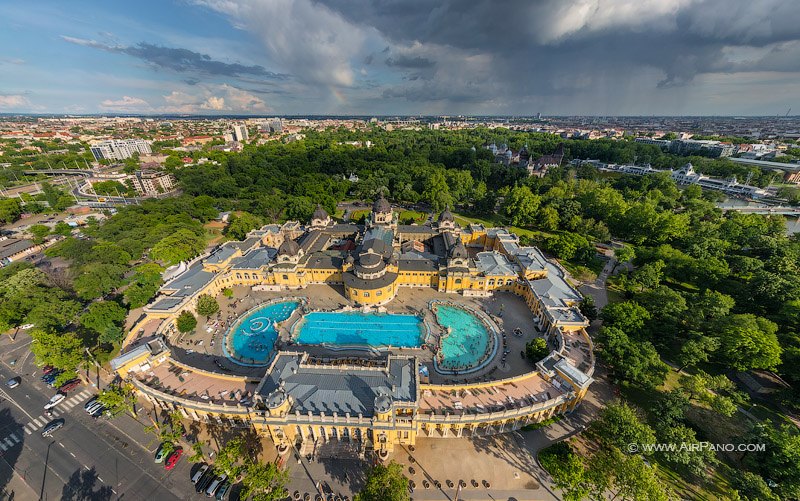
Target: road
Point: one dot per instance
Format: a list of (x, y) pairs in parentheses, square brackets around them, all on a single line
[(86, 459)]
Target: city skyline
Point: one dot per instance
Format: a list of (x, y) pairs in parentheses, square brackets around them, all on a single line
[(214, 57)]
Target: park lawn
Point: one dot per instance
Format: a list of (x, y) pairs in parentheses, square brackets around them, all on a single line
[(417, 216), (357, 214)]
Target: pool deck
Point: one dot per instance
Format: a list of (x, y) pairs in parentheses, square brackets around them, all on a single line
[(205, 344)]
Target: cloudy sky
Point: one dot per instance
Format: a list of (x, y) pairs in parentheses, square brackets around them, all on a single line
[(514, 57)]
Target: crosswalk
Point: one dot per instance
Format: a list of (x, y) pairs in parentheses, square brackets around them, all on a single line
[(12, 439)]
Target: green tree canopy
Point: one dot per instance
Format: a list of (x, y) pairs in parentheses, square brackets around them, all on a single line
[(206, 305), (384, 483)]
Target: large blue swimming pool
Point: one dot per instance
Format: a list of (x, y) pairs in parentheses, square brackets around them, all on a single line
[(253, 337), (467, 342), (355, 328)]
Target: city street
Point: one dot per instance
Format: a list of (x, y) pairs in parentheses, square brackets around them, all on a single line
[(86, 459)]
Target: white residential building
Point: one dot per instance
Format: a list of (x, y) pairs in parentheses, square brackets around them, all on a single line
[(119, 149)]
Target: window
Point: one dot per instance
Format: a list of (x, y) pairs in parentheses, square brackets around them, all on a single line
[(366, 294), (286, 277), (458, 281), (239, 276), (379, 293)]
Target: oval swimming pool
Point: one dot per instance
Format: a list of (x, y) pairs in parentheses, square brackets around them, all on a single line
[(467, 343), (252, 338), (362, 329)]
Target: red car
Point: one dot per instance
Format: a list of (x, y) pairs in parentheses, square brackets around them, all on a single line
[(173, 458), (47, 369), (69, 385)]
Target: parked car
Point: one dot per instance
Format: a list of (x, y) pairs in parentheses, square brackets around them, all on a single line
[(223, 490), (47, 369), (52, 426), (205, 480), (161, 454), (97, 412), (173, 458), (13, 382), (199, 474), (89, 403), (57, 399), (69, 385), (212, 489)]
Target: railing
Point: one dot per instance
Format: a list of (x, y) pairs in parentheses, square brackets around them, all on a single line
[(495, 416), (187, 403)]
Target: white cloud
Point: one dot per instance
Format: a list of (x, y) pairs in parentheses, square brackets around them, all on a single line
[(127, 103), (306, 38), (13, 101), (222, 97), (214, 103)]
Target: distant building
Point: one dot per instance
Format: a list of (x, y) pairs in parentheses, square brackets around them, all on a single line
[(240, 133), (661, 143), (119, 149), (710, 148), (151, 184), (792, 177), (540, 166)]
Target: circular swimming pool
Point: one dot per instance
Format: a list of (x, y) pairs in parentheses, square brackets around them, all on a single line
[(466, 343), (252, 338)]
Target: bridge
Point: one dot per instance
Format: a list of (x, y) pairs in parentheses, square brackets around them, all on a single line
[(775, 210), (61, 172)]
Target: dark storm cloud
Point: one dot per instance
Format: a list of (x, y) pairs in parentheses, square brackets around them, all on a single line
[(412, 62), (180, 60), (536, 50)]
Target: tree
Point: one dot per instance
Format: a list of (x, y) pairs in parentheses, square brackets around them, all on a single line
[(748, 342), (625, 253), (567, 470), (588, 308), (197, 453), (227, 292), (240, 225), (548, 219), (629, 476), (780, 458), (384, 483), (619, 425), (180, 246), (647, 276), (186, 322), (670, 408), (117, 399), (634, 361), (751, 487), (570, 246), (230, 458), (521, 206), (105, 318), (695, 351), (627, 316), (39, 231), (52, 312), (64, 351), (10, 210), (97, 280), (264, 482), (437, 192), (536, 349), (687, 453), (206, 305)]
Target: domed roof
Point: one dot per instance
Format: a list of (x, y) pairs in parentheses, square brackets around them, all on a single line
[(289, 248), (446, 215), (319, 213), (370, 260), (381, 205), (459, 251)]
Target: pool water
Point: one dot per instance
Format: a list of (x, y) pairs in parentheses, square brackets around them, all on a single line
[(254, 336), (468, 340), (356, 328)]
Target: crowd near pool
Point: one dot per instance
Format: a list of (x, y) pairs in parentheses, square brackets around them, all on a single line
[(365, 329), (254, 335), (467, 342)]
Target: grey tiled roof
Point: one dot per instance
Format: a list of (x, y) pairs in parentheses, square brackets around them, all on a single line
[(329, 389), (254, 259), (494, 263)]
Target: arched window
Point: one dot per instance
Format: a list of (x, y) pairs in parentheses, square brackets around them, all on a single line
[(458, 281), (366, 294)]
